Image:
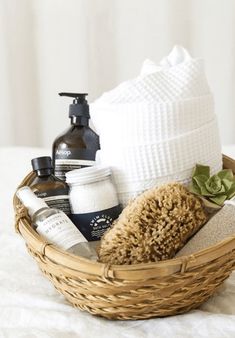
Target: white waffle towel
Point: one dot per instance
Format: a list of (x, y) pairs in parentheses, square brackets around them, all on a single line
[(154, 128)]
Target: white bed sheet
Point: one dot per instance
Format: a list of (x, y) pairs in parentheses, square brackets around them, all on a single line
[(30, 307)]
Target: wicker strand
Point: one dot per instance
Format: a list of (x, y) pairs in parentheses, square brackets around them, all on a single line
[(185, 261), (20, 215), (107, 273)]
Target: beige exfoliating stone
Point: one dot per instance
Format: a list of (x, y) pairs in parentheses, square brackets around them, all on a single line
[(218, 228)]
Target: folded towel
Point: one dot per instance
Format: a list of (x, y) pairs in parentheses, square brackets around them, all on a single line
[(140, 123), (159, 124), (183, 80)]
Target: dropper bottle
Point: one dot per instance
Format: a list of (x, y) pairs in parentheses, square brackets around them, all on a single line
[(76, 147)]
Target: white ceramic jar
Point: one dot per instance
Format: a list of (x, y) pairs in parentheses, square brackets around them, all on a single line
[(93, 199)]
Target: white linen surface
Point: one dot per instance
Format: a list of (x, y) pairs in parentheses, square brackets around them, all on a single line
[(30, 307)]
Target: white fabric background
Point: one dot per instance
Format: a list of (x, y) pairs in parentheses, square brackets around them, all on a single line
[(47, 46)]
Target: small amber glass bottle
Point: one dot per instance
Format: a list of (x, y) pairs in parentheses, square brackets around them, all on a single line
[(48, 187)]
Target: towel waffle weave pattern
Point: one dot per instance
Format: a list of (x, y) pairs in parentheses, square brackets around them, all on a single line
[(140, 162), (155, 128), (183, 81), (148, 123)]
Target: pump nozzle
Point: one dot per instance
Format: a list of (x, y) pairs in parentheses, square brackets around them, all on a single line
[(79, 107), (79, 97)]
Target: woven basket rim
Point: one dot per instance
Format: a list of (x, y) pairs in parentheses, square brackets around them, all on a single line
[(160, 268), (128, 272)]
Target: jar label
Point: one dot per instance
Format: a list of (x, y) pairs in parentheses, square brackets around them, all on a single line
[(94, 224), (59, 230)]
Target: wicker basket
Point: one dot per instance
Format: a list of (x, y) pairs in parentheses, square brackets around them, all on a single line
[(135, 291)]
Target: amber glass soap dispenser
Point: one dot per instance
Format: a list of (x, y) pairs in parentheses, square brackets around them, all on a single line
[(76, 147)]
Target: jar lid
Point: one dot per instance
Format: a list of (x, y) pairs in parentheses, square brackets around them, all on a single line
[(87, 175)]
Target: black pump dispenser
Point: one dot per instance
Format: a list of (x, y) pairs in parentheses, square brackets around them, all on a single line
[(79, 107), (76, 147)]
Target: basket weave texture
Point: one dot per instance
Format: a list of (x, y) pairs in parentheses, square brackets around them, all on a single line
[(138, 291)]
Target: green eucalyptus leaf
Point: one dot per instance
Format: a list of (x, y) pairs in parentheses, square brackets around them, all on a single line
[(201, 170), (227, 184), (205, 192), (222, 190), (209, 204), (218, 199), (231, 192), (199, 183), (215, 189), (213, 184), (200, 180), (194, 189), (226, 174), (231, 195)]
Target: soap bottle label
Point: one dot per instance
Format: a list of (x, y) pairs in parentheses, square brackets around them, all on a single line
[(94, 224), (59, 230), (59, 201), (67, 160), (62, 166)]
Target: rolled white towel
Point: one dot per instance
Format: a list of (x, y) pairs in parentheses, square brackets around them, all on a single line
[(159, 124)]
